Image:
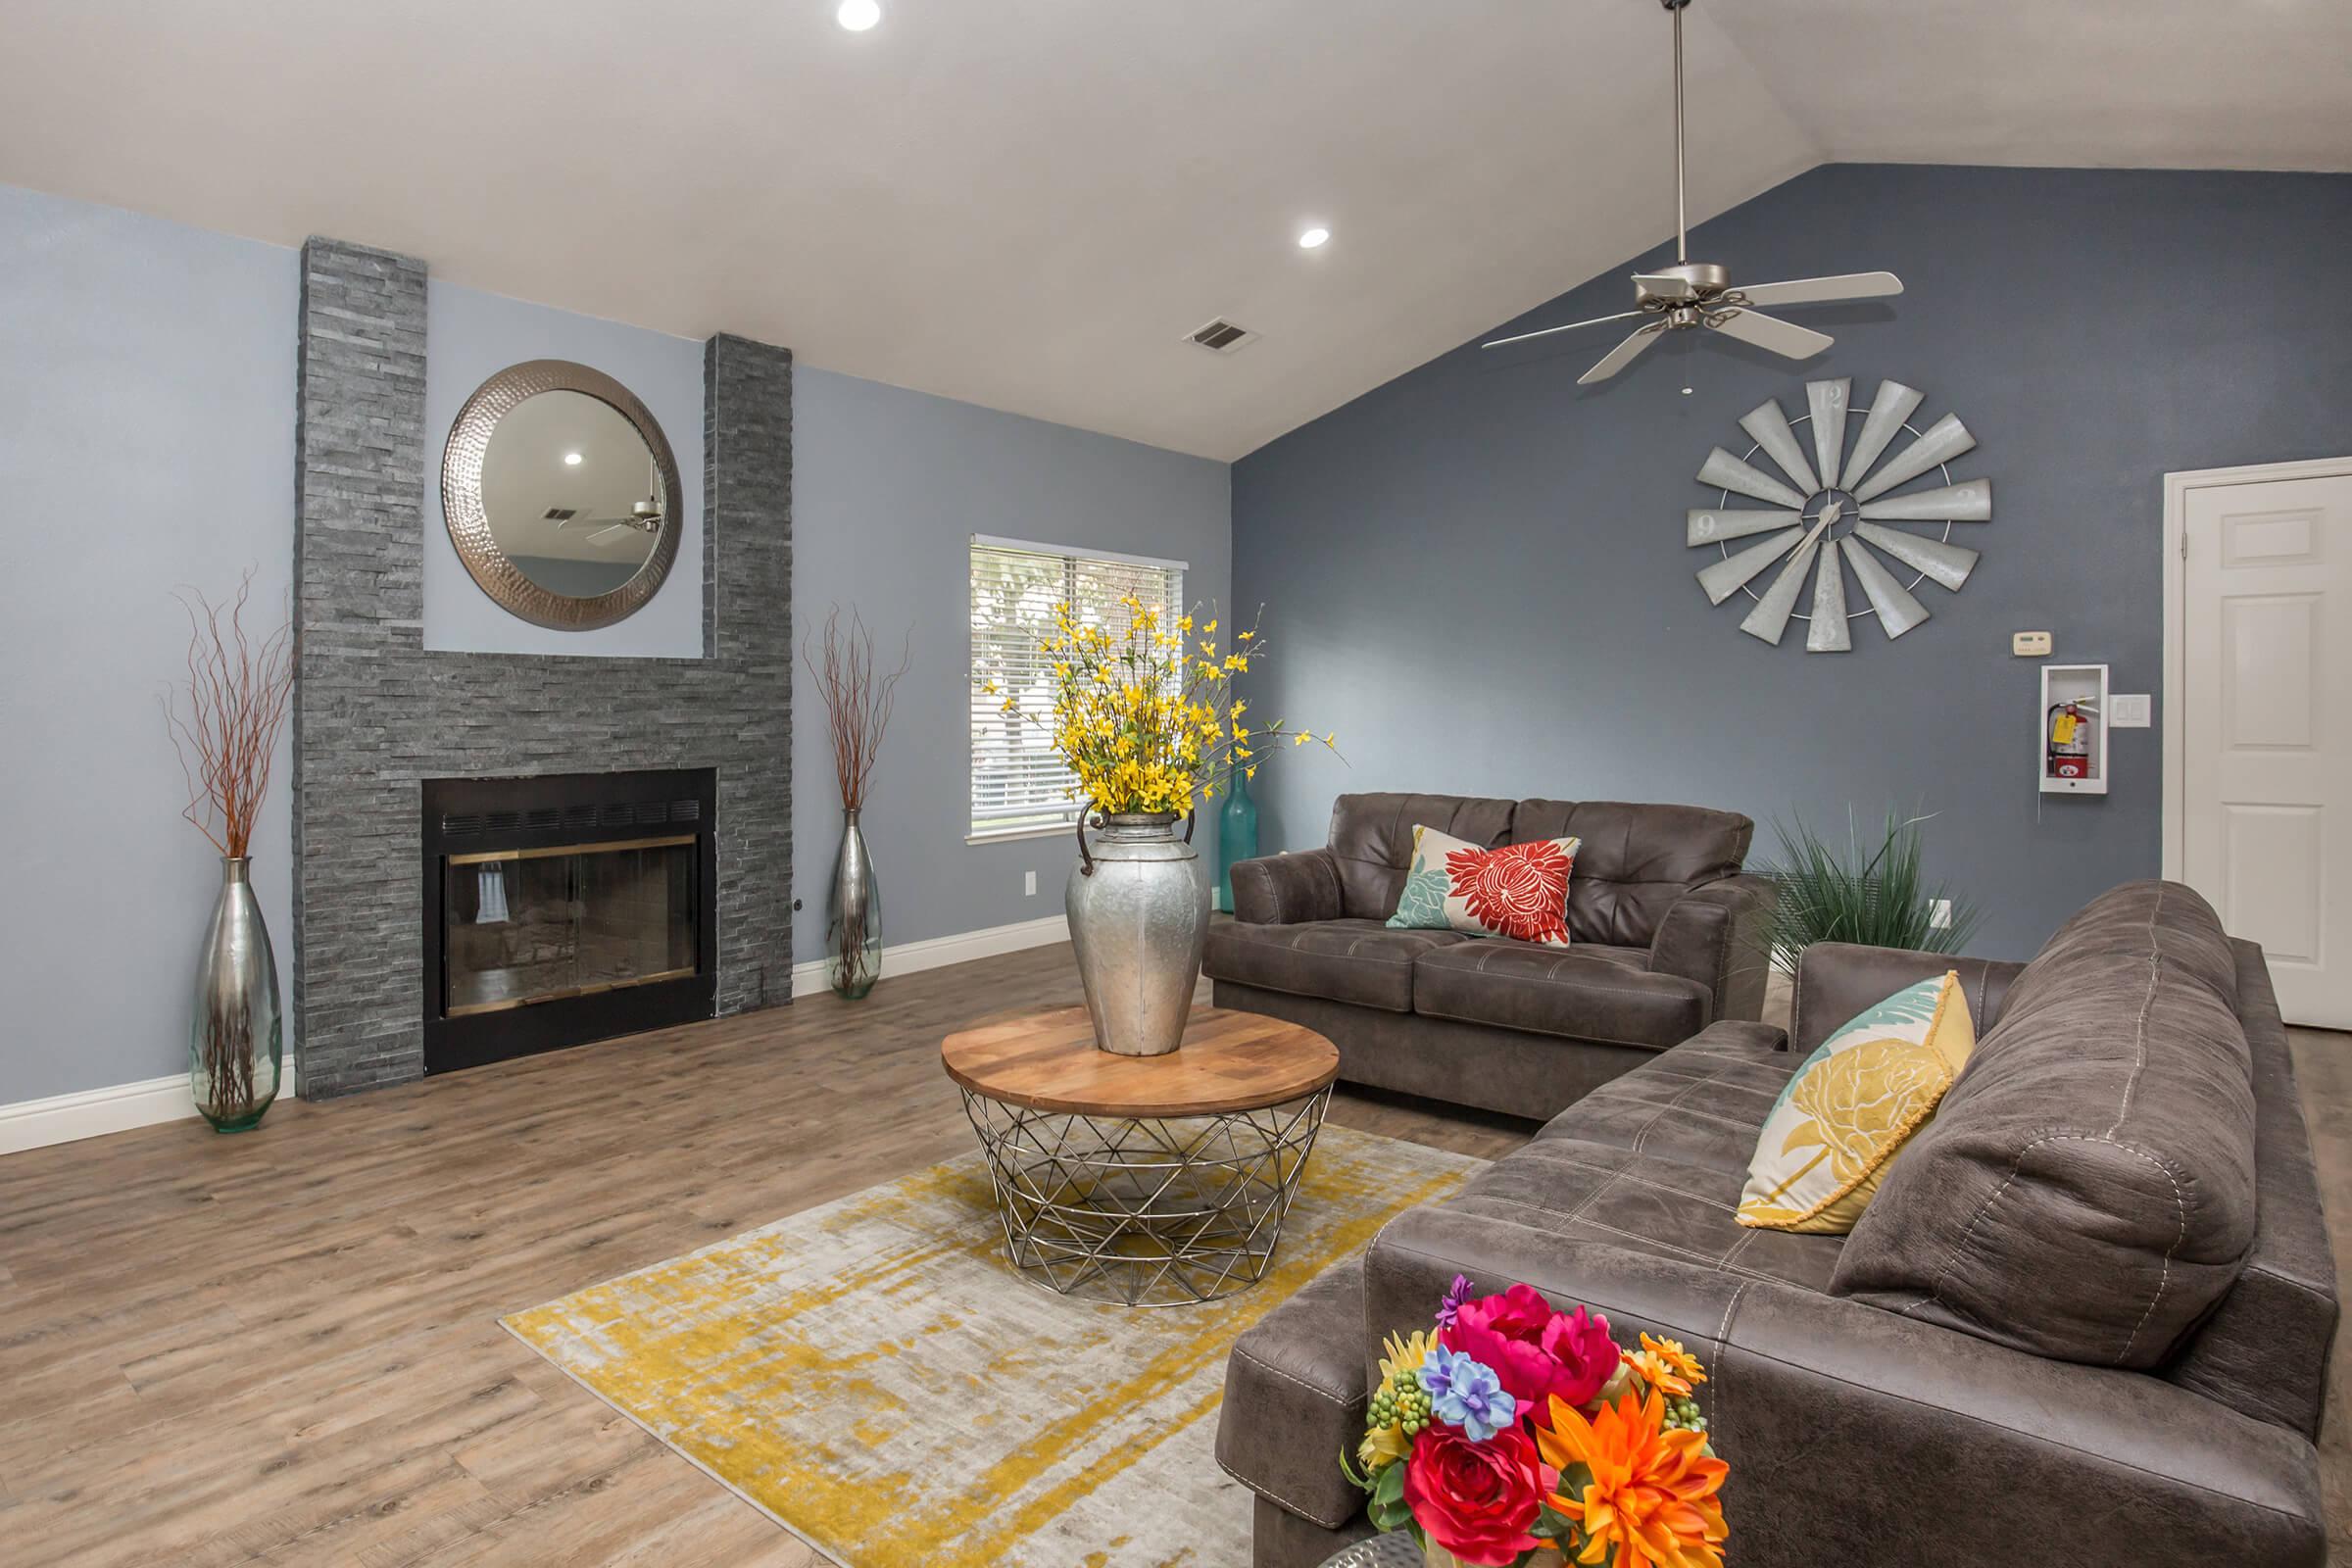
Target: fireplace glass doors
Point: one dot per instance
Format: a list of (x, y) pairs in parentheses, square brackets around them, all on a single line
[(564, 910)]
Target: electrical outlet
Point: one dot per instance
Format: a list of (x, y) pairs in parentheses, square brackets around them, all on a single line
[(1029, 884), (1940, 916)]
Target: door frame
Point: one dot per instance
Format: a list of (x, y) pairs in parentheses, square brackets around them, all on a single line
[(2177, 487)]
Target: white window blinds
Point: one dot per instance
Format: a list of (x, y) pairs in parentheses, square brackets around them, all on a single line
[(1018, 782)]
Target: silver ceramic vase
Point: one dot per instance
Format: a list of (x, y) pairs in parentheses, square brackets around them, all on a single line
[(1139, 918), (236, 1044), (853, 917)]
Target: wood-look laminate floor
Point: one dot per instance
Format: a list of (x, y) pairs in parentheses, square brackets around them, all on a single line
[(282, 1349)]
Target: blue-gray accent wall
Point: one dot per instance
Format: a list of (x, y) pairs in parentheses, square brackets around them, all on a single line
[(1476, 572)]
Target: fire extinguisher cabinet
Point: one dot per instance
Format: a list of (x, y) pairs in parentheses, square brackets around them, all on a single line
[(2071, 735)]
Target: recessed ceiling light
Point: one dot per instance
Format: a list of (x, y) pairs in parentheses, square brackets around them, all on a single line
[(1314, 239), (572, 460), (859, 15)]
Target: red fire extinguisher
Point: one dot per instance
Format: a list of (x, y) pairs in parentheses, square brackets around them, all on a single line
[(2069, 742)]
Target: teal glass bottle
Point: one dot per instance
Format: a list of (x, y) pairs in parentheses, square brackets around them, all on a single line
[(1237, 834)]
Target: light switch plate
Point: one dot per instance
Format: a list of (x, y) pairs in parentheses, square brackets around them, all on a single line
[(2129, 710), (2030, 644)]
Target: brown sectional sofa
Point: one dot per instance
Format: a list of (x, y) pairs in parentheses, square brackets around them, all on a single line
[(2086, 1319), (1662, 927)]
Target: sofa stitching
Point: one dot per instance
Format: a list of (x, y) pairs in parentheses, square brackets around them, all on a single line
[(1676, 1104), (1302, 1510), (1243, 1350), (2147, 1004), (1687, 1253), (1647, 1181), (1876, 1393), (1597, 1040)]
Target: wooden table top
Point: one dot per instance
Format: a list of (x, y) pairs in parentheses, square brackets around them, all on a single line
[(1229, 1061)]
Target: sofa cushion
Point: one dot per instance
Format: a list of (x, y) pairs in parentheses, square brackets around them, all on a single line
[(1642, 1202), (1357, 961), (1518, 891), (1586, 992), (1635, 859), (2086, 1189), (1372, 841), (1700, 1103)]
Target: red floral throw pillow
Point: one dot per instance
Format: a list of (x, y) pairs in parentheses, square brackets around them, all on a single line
[(1519, 891)]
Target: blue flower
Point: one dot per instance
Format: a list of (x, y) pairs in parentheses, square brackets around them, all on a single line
[(1466, 1393)]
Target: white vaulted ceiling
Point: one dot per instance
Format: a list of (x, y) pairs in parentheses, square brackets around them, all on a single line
[(1029, 203)]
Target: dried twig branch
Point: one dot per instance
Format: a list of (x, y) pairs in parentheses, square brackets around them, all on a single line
[(225, 720), (859, 699)]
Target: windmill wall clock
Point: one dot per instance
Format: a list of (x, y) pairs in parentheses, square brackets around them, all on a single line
[(1849, 512)]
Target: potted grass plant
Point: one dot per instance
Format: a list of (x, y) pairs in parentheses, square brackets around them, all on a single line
[(1872, 890)]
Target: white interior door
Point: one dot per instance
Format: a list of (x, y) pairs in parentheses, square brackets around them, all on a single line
[(2266, 726)]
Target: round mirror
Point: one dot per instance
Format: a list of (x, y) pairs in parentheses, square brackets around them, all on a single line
[(560, 492)]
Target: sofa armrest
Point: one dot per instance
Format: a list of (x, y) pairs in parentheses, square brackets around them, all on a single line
[(1287, 889), (1855, 1434), (1714, 934), (1835, 980)]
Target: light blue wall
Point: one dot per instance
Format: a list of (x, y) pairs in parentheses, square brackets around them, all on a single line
[(888, 488), (1477, 573), (472, 336), (146, 442)]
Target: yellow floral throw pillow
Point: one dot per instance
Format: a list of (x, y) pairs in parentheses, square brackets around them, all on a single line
[(1868, 1087)]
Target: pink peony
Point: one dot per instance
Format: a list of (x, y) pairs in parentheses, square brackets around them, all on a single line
[(1537, 1353)]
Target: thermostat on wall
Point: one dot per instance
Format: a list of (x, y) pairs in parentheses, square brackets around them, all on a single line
[(2030, 644)]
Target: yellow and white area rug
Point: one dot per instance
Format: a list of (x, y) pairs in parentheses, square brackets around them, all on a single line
[(872, 1376)]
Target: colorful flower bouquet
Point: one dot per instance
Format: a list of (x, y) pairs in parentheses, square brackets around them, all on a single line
[(1513, 1432)]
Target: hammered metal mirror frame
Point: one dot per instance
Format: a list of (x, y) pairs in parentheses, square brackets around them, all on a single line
[(470, 524)]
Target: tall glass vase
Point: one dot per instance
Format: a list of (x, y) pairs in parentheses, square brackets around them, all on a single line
[(854, 918), (236, 1044), (1237, 835)]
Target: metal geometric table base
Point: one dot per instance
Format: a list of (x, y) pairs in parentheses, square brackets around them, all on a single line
[(1395, 1550), (1145, 1211)]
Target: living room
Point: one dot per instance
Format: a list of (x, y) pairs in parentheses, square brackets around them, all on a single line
[(874, 784)]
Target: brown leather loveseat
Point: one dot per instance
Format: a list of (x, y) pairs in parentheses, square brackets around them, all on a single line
[(1663, 941), (2087, 1318)]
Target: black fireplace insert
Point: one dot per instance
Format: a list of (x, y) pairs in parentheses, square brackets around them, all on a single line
[(566, 908)]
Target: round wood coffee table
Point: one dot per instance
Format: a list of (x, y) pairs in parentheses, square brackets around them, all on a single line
[(1150, 1180)]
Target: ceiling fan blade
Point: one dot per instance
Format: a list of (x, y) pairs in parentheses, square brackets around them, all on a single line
[(1828, 400), (1726, 472), (1769, 620), (1522, 337), (1770, 427), (1665, 287), (1967, 502), (1943, 441), (1822, 290), (1829, 633), (1707, 527), (601, 533), (1890, 407), (1784, 338), (1729, 575), (1945, 565), (1624, 354), (1897, 611)]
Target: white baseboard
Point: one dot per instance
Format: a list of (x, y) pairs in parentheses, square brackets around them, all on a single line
[(935, 953)]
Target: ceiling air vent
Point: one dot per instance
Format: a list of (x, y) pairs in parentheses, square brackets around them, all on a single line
[(1223, 336), (561, 513)]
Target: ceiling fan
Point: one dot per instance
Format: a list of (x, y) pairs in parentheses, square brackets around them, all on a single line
[(1700, 294), (645, 517)]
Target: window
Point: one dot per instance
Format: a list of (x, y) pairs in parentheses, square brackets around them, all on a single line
[(1019, 784)]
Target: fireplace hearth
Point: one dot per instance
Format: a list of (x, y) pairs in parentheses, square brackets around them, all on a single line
[(565, 909)]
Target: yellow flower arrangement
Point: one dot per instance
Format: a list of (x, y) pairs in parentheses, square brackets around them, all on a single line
[(1146, 715)]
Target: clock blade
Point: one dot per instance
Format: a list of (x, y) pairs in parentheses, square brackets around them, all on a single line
[(1897, 611), (1969, 501), (1770, 618), (1548, 331), (1707, 527), (1729, 575), (1770, 427), (1769, 333), (1827, 633), (1828, 400), (1726, 472), (1890, 407), (1946, 564), (1945, 440), (1822, 290), (1624, 354)]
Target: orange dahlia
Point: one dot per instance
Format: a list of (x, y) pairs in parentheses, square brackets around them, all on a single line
[(1647, 1491), (1666, 1366)]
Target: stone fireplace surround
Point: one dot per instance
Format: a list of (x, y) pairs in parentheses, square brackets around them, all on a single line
[(376, 714)]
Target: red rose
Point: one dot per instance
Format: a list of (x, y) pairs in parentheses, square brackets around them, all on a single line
[(1535, 1351), (1476, 1499)]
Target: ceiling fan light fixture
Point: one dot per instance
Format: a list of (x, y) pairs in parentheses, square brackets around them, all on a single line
[(859, 15), (1314, 239)]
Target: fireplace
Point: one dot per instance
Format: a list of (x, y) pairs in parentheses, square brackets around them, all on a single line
[(565, 909)]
